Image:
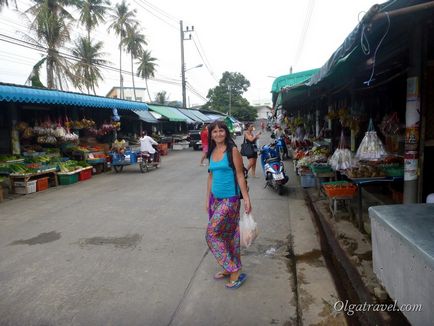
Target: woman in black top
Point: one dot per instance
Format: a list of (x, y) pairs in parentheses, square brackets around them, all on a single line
[(251, 138)]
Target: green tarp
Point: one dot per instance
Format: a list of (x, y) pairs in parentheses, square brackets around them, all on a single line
[(292, 79), (169, 112)]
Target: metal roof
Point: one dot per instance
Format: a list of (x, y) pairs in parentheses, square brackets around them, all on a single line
[(24, 94), (191, 115), (146, 116)]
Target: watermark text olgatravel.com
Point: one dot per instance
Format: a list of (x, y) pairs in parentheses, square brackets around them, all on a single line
[(351, 308)]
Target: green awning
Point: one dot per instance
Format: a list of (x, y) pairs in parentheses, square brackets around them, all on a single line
[(292, 79), (169, 112)]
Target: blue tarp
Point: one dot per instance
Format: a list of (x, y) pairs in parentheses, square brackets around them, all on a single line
[(24, 94)]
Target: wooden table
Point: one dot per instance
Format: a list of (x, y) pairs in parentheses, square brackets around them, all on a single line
[(51, 174)]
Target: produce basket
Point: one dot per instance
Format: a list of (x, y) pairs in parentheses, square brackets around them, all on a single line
[(321, 168), (397, 171), (339, 189), (85, 174), (42, 184), (68, 178)]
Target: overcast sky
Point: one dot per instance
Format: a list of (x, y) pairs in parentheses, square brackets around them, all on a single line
[(260, 39)]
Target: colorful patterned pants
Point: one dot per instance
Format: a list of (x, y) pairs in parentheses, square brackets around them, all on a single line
[(223, 232)]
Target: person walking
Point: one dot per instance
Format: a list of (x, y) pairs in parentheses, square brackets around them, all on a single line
[(204, 140), (225, 183), (251, 138)]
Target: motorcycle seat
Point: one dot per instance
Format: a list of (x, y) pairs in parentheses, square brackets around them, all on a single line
[(272, 159)]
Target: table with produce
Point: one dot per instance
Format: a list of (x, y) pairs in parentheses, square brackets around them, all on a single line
[(370, 165)]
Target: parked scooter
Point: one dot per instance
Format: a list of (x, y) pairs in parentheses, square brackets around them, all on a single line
[(273, 168)]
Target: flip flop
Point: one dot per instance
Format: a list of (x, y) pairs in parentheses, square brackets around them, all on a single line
[(237, 283), (221, 275)]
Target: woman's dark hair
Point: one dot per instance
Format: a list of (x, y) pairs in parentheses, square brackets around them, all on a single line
[(229, 142)]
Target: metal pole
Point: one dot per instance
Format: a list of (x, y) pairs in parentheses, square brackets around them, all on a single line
[(184, 100)]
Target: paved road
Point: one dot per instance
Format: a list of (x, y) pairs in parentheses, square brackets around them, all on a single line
[(129, 249)]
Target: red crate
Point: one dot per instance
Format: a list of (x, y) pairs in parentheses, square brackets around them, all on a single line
[(42, 184), (85, 174)]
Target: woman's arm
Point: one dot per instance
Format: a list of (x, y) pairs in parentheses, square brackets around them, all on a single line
[(249, 136), (238, 162), (208, 191)]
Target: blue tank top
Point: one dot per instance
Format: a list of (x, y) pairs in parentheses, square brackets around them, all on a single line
[(223, 179)]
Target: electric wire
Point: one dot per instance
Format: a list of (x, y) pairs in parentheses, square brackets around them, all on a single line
[(153, 14), (304, 31)]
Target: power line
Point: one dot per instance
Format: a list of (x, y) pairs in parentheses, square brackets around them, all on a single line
[(153, 14), (305, 28), (165, 13)]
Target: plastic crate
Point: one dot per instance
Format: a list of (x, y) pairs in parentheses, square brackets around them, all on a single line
[(21, 188), (42, 184), (307, 181), (85, 174), (346, 189), (67, 178), (321, 168)]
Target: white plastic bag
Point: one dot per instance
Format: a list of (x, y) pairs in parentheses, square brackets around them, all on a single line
[(248, 230)]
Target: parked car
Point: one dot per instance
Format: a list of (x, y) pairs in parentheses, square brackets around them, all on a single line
[(194, 139), (238, 129)]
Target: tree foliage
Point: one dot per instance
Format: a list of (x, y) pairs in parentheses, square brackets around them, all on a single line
[(229, 95)]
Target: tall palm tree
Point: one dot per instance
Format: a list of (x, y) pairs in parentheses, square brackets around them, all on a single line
[(86, 69), (5, 3), (121, 19), (51, 27), (133, 43), (93, 13), (146, 68)]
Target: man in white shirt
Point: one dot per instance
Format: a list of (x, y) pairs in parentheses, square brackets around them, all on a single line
[(146, 143)]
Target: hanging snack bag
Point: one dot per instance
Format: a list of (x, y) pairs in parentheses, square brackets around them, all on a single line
[(371, 148)]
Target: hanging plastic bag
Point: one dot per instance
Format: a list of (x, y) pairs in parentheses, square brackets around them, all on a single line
[(371, 148), (342, 157), (248, 230)]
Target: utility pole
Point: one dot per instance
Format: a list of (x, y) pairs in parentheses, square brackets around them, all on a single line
[(183, 83), (230, 104)]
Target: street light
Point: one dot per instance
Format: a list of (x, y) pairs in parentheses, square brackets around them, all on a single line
[(230, 104), (184, 96)]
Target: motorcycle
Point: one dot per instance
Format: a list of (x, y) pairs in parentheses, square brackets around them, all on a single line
[(147, 160), (281, 148), (273, 168)]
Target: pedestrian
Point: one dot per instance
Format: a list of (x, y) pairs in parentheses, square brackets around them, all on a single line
[(146, 143), (250, 137), (225, 182), (204, 140), (263, 126)]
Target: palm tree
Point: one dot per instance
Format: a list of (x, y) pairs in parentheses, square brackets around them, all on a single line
[(90, 56), (146, 68), (92, 13), (5, 3), (122, 18), (161, 97), (134, 42), (51, 26)]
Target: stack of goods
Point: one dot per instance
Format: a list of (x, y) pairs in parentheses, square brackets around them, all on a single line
[(365, 171)]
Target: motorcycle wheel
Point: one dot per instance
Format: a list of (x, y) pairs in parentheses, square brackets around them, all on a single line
[(280, 190), (118, 168), (143, 166)]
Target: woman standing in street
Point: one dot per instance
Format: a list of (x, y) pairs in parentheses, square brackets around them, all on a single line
[(204, 140), (225, 182), (252, 139)]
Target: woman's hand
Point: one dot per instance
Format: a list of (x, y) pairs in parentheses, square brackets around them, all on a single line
[(247, 206)]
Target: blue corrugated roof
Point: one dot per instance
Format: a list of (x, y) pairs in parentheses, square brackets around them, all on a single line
[(23, 94)]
